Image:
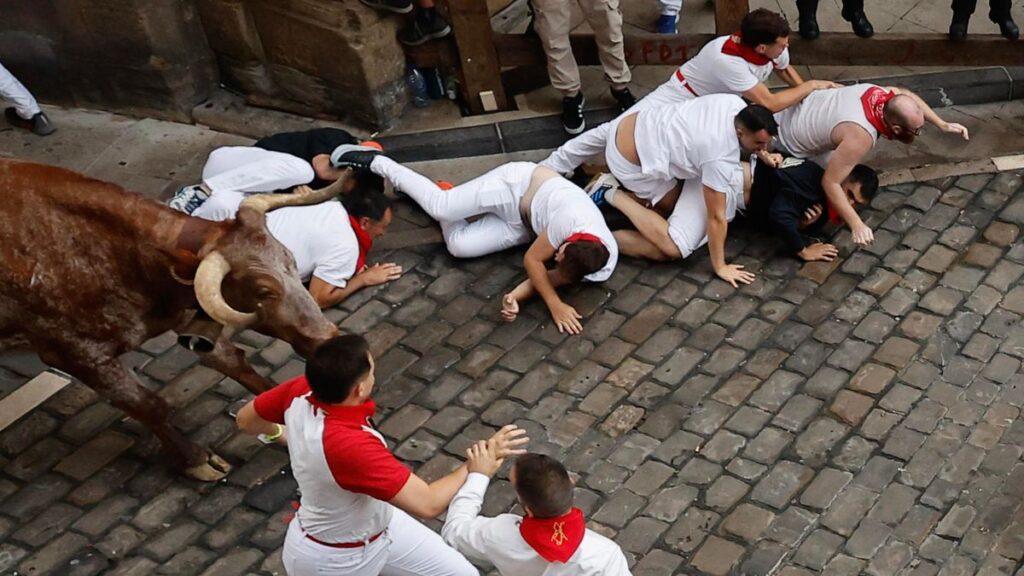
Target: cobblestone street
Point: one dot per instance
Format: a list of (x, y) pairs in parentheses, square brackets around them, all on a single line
[(857, 417)]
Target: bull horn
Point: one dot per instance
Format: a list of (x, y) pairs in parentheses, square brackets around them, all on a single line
[(263, 203), (209, 277)]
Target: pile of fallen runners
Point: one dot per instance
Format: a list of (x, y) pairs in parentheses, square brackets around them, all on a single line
[(681, 163)]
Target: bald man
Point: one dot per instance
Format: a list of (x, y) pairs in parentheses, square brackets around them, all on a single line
[(836, 128)]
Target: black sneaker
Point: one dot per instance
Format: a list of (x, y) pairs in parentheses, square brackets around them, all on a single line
[(424, 30), (624, 98), (39, 124), (354, 156), (396, 6), (572, 114)]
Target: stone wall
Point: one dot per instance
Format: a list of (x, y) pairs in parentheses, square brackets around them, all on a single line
[(160, 58)]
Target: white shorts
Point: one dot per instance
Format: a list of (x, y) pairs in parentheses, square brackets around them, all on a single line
[(631, 176), (407, 548), (688, 224)]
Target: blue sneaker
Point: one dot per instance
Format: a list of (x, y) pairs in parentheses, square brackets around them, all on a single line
[(667, 23), (600, 186)]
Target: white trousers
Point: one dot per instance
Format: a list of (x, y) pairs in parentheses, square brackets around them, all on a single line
[(248, 169), (671, 7), (24, 103), (493, 197), (407, 548), (688, 224)]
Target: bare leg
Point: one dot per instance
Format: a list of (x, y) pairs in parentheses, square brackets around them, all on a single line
[(632, 243), (230, 361), (652, 226), (110, 379)]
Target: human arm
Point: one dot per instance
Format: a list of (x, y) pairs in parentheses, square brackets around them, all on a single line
[(854, 143), (566, 318), (789, 75), (931, 117), (327, 294), (264, 414), (524, 291), (718, 227), (778, 101), (576, 151)]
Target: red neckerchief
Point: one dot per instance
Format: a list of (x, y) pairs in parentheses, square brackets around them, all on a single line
[(584, 237), (554, 539), (874, 101), (359, 414), (735, 47), (833, 215), (364, 240)]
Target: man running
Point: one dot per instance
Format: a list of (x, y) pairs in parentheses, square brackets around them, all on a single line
[(837, 128), (516, 203)]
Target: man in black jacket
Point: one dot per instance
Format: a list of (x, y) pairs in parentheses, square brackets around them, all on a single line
[(790, 201), (315, 146)]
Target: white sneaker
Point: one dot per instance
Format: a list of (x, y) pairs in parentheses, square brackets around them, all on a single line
[(599, 187)]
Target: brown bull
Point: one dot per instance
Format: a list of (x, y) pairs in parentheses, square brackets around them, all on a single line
[(89, 271)]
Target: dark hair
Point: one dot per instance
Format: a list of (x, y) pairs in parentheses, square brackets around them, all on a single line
[(867, 178), (368, 181), (583, 257), (756, 118), (543, 485), (762, 26), (366, 202), (336, 366)]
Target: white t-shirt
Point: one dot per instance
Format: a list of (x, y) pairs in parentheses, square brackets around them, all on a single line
[(713, 72), (319, 236), (497, 540), (561, 209), (694, 139), (805, 130)]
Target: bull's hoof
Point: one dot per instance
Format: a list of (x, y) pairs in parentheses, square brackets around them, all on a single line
[(214, 469)]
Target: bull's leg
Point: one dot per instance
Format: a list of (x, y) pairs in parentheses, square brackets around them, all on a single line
[(230, 361), (110, 379)]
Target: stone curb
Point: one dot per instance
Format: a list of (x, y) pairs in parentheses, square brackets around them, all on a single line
[(938, 89)]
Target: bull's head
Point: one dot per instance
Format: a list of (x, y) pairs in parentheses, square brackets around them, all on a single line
[(249, 279)]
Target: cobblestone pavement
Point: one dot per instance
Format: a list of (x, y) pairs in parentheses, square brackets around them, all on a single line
[(859, 417)]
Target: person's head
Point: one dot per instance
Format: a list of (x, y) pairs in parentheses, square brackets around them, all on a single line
[(341, 369), (861, 185), (755, 127), (542, 485), (360, 179), (766, 32), (904, 117), (580, 258), (371, 209)]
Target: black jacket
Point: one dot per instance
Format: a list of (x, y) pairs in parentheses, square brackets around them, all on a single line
[(307, 144), (779, 198)]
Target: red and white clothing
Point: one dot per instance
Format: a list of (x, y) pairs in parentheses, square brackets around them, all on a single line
[(805, 130), (346, 475), (559, 210), (321, 237), (501, 541)]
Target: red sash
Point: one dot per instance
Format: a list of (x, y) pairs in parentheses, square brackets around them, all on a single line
[(874, 101), (584, 237), (364, 240), (734, 47), (554, 539)]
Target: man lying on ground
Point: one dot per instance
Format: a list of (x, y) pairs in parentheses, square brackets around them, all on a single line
[(514, 204)]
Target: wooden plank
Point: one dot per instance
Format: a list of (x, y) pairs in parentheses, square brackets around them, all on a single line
[(729, 14), (478, 59), (831, 49), (28, 396)]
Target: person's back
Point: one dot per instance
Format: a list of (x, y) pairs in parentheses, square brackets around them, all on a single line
[(551, 540), (676, 141), (805, 130)]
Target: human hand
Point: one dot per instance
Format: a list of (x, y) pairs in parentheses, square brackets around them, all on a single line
[(811, 216), (825, 84), (508, 441), (482, 459), (380, 273), (862, 234), (954, 128), (509, 308), (772, 159), (819, 251), (302, 189), (735, 274), (566, 318)]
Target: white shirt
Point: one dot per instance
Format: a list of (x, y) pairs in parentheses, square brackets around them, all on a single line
[(561, 209), (805, 130), (713, 72), (497, 540), (694, 139), (319, 236)]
